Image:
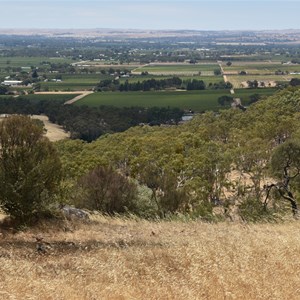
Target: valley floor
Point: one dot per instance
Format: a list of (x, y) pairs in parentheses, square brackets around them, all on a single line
[(114, 258)]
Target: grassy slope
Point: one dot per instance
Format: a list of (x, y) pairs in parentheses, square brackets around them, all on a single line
[(123, 259)]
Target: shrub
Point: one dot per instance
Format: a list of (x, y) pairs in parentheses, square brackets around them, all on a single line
[(106, 190), (30, 168)]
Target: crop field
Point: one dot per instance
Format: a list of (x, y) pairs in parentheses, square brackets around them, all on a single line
[(115, 258), (67, 86), (244, 94), (161, 69), (263, 68), (49, 97), (195, 100), (73, 82)]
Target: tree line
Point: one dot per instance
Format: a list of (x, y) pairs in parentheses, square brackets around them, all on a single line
[(158, 84), (89, 123)]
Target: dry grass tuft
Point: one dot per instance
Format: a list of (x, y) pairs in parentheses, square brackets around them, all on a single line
[(114, 258)]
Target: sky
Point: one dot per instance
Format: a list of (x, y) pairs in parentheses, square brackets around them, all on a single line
[(155, 14)]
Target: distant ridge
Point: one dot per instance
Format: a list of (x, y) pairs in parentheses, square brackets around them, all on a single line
[(246, 37)]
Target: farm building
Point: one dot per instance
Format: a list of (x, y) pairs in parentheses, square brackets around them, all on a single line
[(11, 82)]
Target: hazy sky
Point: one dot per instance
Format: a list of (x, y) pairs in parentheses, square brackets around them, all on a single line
[(155, 14)]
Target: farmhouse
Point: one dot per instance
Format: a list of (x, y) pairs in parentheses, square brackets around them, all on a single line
[(11, 82)]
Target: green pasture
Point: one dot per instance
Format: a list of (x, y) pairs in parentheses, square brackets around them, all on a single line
[(66, 86), (195, 100), (49, 97), (73, 82), (244, 94), (84, 78), (206, 79)]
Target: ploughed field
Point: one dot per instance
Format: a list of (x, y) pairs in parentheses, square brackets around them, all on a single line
[(114, 258)]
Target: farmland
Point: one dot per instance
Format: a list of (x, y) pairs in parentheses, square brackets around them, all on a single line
[(178, 69), (112, 66), (195, 100), (28, 62), (49, 97), (262, 68)]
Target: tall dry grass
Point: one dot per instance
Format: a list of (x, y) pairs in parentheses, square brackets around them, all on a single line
[(114, 258)]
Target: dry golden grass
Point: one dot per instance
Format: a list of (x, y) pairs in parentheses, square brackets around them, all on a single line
[(114, 258)]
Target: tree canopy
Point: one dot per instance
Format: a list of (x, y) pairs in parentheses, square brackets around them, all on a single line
[(30, 168)]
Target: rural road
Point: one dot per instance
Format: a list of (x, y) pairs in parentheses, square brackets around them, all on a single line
[(78, 97), (225, 77)]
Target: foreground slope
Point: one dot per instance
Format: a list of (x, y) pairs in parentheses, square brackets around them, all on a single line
[(128, 259)]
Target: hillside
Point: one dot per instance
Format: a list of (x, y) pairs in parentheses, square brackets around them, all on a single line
[(115, 258)]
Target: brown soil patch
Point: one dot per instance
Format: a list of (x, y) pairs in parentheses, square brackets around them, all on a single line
[(54, 132)]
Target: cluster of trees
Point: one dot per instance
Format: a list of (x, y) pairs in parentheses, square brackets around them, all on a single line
[(145, 85), (220, 165), (220, 85), (159, 84), (295, 81), (30, 169), (3, 89), (88, 123), (245, 163), (151, 84)]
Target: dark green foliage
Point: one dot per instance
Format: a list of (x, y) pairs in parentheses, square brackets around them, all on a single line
[(3, 89), (252, 84), (253, 210), (30, 169), (286, 158), (225, 100), (195, 84), (151, 84), (295, 82), (254, 98), (217, 72), (107, 191), (89, 123)]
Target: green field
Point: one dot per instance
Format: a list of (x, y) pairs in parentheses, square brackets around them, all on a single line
[(245, 93), (261, 68), (66, 86), (50, 97), (195, 100)]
